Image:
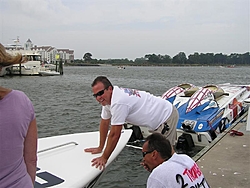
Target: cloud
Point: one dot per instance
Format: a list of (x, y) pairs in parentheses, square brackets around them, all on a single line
[(129, 28)]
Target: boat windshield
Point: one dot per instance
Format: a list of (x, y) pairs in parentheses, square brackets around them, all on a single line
[(33, 57)]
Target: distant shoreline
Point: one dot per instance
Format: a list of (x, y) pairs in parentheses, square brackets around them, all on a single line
[(155, 65), (81, 64)]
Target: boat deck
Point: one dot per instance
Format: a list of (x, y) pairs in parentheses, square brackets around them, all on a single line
[(226, 163)]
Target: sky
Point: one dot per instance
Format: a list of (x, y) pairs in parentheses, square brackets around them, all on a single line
[(119, 29)]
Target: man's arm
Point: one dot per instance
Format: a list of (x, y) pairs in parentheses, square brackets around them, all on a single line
[(104, 127), (113, 139)]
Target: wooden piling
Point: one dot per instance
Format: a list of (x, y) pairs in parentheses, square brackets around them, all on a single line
[(60, 69)]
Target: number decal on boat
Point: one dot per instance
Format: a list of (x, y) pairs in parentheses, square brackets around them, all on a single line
[(47, 179)]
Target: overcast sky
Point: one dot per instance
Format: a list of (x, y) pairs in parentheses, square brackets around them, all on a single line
[(129, 28)]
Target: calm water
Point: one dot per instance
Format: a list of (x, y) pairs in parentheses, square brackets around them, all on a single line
[(64, 104)]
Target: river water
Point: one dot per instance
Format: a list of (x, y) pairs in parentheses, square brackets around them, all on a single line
[(64, 104)]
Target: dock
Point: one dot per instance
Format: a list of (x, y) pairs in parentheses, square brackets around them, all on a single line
[(226, 162)]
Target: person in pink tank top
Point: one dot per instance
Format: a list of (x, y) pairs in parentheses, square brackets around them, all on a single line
[(18, 133)]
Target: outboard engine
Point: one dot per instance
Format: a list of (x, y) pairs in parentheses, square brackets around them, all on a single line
[(188, 126)]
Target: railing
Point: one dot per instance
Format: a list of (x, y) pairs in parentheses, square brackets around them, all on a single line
[(58, 146)]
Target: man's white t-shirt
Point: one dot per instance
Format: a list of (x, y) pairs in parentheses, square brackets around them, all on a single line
[(179, 171), (136, 107)]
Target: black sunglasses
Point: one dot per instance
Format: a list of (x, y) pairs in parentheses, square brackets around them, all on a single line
[(100, 93), (146, 152)]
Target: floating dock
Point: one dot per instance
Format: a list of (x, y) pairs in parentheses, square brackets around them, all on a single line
[(226, 162)]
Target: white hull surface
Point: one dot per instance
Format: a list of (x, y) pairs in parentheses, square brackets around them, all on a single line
[(48, 73), (29, 68), (62, 161)]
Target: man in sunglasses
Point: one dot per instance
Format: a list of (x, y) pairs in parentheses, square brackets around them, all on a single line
[(120, 105), (167, 168)]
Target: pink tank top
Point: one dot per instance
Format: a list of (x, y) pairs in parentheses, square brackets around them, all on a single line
[(16, 113)]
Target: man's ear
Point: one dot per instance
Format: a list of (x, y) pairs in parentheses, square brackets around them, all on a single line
[(155, 154)]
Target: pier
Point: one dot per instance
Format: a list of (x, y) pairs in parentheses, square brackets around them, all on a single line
[(226, 162)]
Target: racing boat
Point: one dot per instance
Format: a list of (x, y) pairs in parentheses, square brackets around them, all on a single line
[(205, 112), (209, 111)]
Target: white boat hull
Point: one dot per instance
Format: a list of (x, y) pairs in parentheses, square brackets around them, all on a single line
[(62, 161), (48, 73), (29, 68)]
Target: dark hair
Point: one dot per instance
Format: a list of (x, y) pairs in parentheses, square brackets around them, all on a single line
[(158, 142), (103, 80)]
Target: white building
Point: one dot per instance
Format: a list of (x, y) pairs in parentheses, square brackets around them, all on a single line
[(48, 53)]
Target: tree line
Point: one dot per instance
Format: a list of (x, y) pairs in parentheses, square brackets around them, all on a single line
[(180, 59)]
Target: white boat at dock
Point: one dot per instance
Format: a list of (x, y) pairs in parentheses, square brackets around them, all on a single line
[(48, 66), (48, 73), (29, 68), (33, 67)]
